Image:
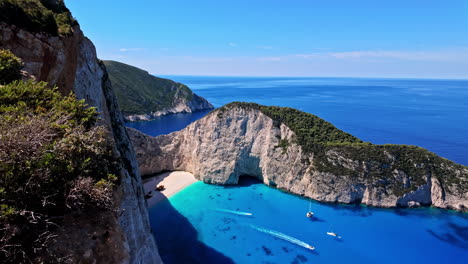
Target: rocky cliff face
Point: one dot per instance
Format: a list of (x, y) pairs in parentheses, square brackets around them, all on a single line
[(70, 62), (179, 105), (241, 141)]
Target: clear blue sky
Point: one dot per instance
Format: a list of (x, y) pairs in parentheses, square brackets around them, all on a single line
[(357, 38)]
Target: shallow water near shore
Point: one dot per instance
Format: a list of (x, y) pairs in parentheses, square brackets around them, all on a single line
[(191, 227), (369, 235)]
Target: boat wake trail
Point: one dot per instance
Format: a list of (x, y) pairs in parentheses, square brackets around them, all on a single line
[(283, 237), (234, 212)]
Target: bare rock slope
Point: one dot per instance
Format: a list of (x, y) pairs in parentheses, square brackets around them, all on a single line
[(313, 159), (69, 61)]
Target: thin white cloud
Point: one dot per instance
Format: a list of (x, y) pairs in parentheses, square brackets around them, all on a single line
[(323, 65), (404, 55), (130, 49), (458, 55), (454, 55), (270, 58), (206, 59), (307, 56), (446, 63), (232, 44), (265, 47)]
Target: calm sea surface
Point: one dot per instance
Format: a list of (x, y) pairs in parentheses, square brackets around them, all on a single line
[(428, 113)]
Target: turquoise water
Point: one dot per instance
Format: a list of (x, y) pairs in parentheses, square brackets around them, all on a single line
[(191, 227)]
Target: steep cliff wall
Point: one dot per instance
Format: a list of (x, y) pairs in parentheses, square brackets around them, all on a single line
[(69, 61), (142, 96), (241, 140)]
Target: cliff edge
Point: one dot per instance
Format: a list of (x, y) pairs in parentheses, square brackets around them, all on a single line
[(142, 96), (49, 41), (303, 154)]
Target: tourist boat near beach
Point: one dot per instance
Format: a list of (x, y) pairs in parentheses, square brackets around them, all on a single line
[(310, 213)]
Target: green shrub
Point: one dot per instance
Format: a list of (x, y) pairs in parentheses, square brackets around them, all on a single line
[(139, 92), (283, 144), (54, 161), (309, 129), (37, 16), (10, 67)]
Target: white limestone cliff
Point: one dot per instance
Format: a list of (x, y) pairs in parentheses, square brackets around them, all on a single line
[(239, 141)]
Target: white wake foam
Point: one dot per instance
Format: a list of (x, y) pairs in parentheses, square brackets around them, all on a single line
[(283, 236), (234, 212)]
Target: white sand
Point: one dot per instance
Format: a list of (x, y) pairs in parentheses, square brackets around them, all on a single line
[(173, 181)]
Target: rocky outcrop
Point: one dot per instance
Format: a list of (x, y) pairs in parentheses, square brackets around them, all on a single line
[(179, 105), (70, 62), (142, 96), (234, 141)]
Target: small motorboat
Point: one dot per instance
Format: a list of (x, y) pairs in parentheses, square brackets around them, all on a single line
[(310, 247), (310, 213), (333, 234)]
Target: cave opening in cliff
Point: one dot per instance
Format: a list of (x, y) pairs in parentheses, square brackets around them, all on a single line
[(248, 180)]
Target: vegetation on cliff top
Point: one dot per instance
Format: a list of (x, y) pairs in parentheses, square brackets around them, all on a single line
[(10, 67), (309, 129), (54, 162), (376, 162), (139, 92), (47, 16)]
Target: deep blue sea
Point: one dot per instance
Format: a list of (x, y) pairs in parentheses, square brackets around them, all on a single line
[(428, 113)]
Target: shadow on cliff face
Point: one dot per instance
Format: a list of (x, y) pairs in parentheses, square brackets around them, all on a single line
[(455, 235), (177, 239), (245, 181)]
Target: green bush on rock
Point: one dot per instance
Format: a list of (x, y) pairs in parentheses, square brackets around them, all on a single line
[(37, 16), (10, 67), (139, 92), (54, 161)]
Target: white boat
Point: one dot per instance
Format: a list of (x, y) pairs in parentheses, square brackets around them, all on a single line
[(310, 247), (333, 234), (310, 213)]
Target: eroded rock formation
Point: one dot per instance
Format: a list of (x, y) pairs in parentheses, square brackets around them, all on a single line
[(240, 140)]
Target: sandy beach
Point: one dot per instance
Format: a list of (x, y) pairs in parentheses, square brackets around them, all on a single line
[(173, 182)]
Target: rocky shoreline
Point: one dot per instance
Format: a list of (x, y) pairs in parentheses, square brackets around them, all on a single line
[(236, 141), (197, 104)]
